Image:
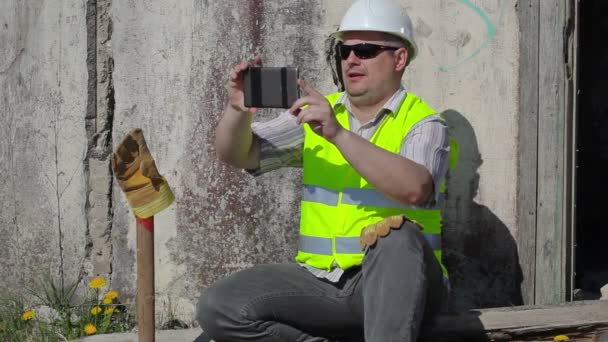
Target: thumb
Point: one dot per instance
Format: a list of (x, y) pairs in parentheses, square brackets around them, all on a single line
[(119, 167), (148, 169)]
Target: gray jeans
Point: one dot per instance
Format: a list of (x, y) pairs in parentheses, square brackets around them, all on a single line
[(398, 286)]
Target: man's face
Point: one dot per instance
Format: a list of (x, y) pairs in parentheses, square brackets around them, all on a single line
[(370, 80)]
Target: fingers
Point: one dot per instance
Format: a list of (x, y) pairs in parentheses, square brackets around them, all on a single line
[(313, 97), (148, 169), (235, 75), (127, 151), (124, 156), (308, 89), (320, 118), (118, 166), (307, 101), (305, 116), (313, 119), (296, 106)]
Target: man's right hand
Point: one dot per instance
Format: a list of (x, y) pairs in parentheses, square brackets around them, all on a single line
[(234, 142), (236, 95)]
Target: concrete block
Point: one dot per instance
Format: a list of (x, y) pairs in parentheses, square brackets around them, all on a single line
[(186, 335)]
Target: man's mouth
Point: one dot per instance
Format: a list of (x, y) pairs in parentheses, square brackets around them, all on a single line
[(354, 75)]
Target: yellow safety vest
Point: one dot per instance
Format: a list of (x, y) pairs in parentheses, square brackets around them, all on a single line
[(338, 202)]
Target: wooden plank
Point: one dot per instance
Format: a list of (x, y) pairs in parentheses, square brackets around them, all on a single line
[(529, 318), (572, 86), (551, 235), (528, 12), (519, 322)]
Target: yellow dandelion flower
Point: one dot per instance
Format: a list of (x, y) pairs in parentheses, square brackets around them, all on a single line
[(95, 310), (97, 283), (90, 329), (559, 338), (29, 314), (107, 301), (109, 311), (111, 295)]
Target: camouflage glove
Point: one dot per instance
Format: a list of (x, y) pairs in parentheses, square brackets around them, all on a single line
[(147, 191), (371, 233)]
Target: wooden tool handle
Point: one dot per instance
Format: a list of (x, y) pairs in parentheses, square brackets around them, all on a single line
[(145, 279)]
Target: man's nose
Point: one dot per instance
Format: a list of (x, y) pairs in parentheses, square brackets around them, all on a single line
[(352, 58)]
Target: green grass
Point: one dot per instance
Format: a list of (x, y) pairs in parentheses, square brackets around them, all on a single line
[(72, 315), (15, 329)]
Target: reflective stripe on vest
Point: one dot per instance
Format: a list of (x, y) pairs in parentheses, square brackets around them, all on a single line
[(319, 194), (347, 245), (364, 197), (316, 245)]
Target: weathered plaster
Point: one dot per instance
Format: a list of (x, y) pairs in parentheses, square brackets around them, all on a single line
[(98, 125), (42, 142)]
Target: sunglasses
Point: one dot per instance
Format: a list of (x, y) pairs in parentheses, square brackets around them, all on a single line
[(362, 51)]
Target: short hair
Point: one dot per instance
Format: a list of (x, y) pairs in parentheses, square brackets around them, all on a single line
[(391, 38)]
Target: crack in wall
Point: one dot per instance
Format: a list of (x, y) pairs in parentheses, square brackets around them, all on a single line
[(12, 64), (90, 115), (98, 124)]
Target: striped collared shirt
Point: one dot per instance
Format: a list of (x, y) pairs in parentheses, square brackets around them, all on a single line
[(427, 143)]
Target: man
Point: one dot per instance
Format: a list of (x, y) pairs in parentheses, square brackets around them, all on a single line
[(369, 154)]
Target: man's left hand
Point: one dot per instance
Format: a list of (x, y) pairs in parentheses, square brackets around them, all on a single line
[(317, 113)]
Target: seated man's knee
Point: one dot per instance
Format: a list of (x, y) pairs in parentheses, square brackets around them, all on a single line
[(213, 310), (408, 235)]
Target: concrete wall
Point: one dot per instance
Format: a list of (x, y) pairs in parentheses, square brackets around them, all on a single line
[(468, 69), (43, 98), (162, 65)]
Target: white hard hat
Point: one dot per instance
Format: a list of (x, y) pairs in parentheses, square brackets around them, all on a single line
[(380, 16)]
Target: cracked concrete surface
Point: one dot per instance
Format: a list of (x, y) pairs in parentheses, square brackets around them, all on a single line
[(99, 124), (42, 144)]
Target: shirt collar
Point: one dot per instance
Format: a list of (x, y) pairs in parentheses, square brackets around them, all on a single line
[(391, 106)]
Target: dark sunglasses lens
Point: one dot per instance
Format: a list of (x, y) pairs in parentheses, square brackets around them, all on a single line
[(343, 50), (363, 51)]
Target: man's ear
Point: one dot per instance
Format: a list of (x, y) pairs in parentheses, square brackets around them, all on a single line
[(401, 59)]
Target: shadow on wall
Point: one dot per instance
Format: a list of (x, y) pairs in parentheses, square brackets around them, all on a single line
[(479, 250)]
